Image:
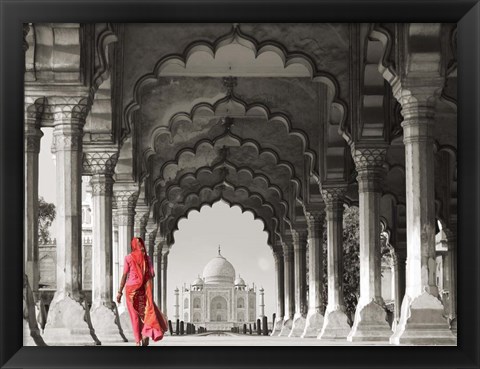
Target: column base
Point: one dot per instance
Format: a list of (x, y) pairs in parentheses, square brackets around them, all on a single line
[(298, 327), (31, 337), (313, 325), (126, 324), (335, 325), (370, 324), (68, 323), (277, 326), (422, 323), (31, 331), (106, 322), (453, 326), (286, 327)]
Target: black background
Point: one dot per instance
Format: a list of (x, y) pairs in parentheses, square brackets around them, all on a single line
[(13, 13)]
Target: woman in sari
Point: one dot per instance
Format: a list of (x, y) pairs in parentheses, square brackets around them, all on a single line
[(147, 320)]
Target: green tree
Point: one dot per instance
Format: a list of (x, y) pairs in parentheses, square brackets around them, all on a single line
[(46, 216)]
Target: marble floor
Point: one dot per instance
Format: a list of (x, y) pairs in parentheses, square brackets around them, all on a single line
[(232, 339)]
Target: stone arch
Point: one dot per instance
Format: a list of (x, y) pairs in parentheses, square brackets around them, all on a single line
[(218, 308), (197, 303), (236, 195), (185, 303), (237, 36), (196, 317), (205, 177), (240, 302)]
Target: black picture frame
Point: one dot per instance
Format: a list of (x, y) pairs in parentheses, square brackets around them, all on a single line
[(15, 12)]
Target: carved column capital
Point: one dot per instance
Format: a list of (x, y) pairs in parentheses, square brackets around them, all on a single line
[(369, 164), (68, 110), (369, 158), (299, 237), (102, 185), (32, 140), (315, 219), (67, 139), (99, 162), (333, 198), (126, 199)]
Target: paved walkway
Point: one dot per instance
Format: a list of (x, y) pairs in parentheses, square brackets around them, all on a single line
[(231, 339)]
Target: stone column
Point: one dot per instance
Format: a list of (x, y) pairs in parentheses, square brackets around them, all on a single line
[(279, 281), (157, 256), (126, 199), (32, 136), (300, 237), (142, 213), (151, 233), (450, 270), (289, 285), (399, 257), (165, 252), (370, 316), (314, 324), (115, 252), (31, 331), (422, 320), (335, 325), (68, 318), (104, 314)]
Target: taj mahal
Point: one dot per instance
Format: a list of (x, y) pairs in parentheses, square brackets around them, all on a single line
[(218, 301)]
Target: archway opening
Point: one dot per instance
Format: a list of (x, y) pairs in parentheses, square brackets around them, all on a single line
[(242, 241)]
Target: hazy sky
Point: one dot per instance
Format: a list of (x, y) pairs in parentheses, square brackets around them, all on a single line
[(242, 239)]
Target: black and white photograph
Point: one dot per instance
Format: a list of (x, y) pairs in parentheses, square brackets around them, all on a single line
[(240, 184)]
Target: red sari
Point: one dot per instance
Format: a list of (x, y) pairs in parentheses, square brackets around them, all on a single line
[(147, 320)]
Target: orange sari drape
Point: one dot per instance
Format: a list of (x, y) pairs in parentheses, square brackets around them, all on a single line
[(140, 295)]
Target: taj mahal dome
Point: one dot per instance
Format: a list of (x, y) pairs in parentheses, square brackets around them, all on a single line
[(218, 300)]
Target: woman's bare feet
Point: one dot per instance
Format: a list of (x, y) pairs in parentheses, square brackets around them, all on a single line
[(139, 343)]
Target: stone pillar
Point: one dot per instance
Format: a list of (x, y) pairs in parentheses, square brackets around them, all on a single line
[(450, 270), (125, 199), (177, 305), (399, 257), (335, 325), (422, 320), (104, 314), (115, 252), (142, 213), (370, 316), (165, 252), (314, 323), (32, 136), (300, 237), (279, 281), (289, 285), (158, 270), (31, 332), (68, 318)]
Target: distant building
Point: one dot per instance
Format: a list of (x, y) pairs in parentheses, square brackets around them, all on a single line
[(218, 300)]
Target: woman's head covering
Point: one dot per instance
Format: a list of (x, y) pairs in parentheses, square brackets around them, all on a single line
[(138, 255)]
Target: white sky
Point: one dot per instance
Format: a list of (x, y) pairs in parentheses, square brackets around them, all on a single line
[(242, 240)]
